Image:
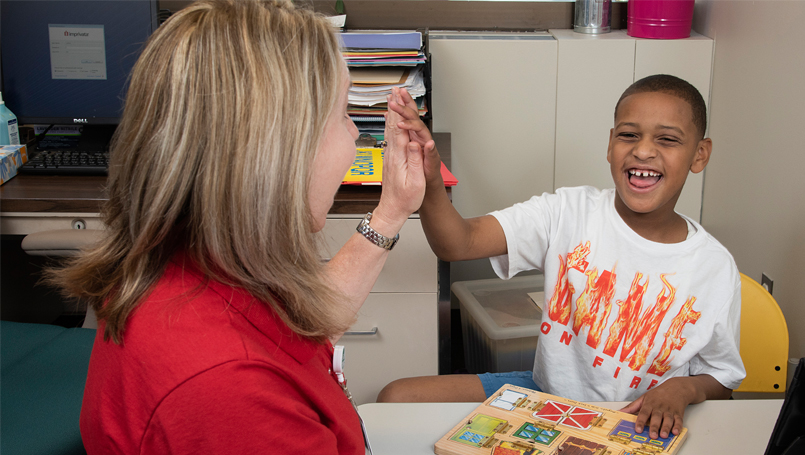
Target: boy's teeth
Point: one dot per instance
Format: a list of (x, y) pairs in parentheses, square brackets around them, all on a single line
[(644, 173)]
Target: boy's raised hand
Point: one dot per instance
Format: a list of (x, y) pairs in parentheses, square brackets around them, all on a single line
[(402, 104), (403, 175)]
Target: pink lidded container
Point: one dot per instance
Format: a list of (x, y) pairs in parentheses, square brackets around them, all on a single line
[(659, 19)]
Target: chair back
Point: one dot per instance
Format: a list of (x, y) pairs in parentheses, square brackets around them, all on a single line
[(764, 339)]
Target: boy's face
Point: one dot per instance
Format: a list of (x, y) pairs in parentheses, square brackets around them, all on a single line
[(651, 150)]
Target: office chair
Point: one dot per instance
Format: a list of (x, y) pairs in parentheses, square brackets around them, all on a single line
[(43, 369), (764, 339)]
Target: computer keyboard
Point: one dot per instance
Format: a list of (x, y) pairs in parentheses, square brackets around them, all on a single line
[(67, 162)]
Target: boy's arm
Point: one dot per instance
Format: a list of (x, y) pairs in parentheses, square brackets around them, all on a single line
[(663, 407), (451, 237)]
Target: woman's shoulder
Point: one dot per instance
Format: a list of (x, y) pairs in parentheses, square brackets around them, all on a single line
[(183, 325)]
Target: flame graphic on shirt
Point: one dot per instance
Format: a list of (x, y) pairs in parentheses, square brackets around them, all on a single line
[(576, 259), (634, 330), (673, 337), (640, 328), (559, 305), (627, 314), (594, 304)]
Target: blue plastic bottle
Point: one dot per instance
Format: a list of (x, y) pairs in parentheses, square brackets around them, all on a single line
[(9, 131)]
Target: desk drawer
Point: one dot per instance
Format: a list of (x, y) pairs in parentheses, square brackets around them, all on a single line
[(24, 223), (411, 265), (405, 344)]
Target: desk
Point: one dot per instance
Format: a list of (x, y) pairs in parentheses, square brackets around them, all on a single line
[(714, 427), (33, 203)]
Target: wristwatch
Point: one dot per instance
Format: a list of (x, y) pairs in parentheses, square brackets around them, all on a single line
[(375, 237)]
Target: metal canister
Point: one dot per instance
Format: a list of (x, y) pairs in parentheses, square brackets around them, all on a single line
[(593, 16)]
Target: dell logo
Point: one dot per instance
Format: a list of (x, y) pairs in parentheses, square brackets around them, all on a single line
[(80, 120)]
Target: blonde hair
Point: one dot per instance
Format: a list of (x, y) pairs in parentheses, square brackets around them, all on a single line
[(213, 154)]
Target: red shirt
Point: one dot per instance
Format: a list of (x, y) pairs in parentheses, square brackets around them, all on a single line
[(207, 368)]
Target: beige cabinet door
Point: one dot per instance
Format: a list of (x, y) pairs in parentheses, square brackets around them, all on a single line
[(395, 337), (411, 265), (593, 71), (691, 59)]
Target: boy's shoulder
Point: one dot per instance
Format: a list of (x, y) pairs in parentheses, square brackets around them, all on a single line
[(584, 191), (712, 247), (578, 196), (583, 200)]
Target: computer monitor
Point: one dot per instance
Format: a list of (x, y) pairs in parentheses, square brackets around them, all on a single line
[(788, 436), (68, 62)]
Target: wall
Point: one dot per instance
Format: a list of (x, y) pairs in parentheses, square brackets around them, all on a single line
[(502, 122), (448, 15), (753, 190)]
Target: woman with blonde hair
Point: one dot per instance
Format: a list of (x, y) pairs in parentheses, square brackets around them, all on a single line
[(217, 316)]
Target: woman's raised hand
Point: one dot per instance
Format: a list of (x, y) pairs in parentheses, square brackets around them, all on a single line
[(403, 169)]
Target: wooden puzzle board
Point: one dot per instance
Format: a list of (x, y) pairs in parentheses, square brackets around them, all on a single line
[(520, 421)]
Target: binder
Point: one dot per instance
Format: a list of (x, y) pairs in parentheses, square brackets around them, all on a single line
[(367, 169), (382, 40)]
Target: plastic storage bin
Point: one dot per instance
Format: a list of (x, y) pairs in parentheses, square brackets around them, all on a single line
[(500, 323)]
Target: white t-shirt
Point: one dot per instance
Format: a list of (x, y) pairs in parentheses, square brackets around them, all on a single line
[(622, 313)]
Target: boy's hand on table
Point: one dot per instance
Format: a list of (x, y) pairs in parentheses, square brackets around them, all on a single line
[(662, 408)]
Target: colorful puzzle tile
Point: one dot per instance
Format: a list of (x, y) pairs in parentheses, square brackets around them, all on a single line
[(471, 437), (507, 448), (507, 400), (540, 435), (474, 433), (625, 429), (568, 415), (499, 450), (578, 446)]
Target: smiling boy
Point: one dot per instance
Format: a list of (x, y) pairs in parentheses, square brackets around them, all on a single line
[(642, 304)]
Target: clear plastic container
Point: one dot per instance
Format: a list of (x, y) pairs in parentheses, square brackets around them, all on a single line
[(500, 323)]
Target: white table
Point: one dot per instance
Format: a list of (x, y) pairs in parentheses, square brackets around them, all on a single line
[(714, 427)]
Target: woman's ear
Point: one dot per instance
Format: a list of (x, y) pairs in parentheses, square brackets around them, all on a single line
[(702, 157)]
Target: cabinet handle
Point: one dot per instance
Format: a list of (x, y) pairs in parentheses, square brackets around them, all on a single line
[(373, 331)]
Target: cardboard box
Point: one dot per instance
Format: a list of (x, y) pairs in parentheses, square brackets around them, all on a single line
[(500, 323), (11, 158)]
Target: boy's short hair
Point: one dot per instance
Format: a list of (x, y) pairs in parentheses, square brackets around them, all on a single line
[(672, 85)]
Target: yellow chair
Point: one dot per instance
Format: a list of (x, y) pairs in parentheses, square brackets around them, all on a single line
[(764, 339)]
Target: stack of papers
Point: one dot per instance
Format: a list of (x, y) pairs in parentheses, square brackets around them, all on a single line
[(379, 109), (377, 48), (370, 86), (379, 61), (383, 57)]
